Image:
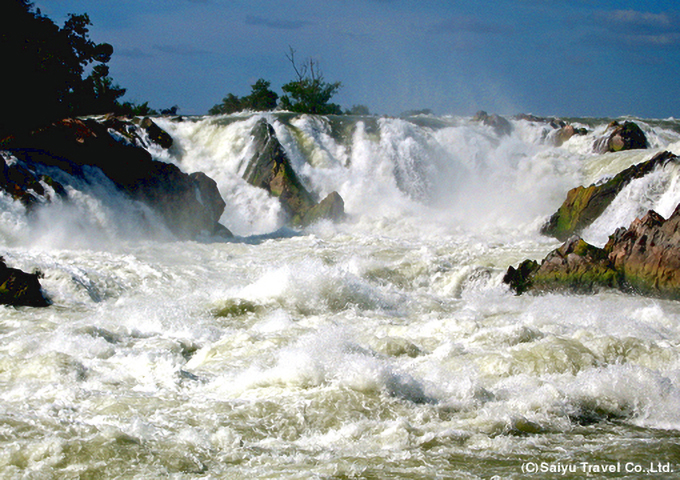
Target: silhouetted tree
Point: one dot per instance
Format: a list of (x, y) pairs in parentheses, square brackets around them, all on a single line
[(261, 99), (309, 92), (170, 111), (44, 68)]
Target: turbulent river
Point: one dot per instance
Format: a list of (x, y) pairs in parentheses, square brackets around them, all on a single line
[(383, 346)]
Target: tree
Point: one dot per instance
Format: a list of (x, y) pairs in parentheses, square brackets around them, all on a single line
[(45, 68), (135, 110), (309, 92), (261, 99), (230, 104), (170, 111)]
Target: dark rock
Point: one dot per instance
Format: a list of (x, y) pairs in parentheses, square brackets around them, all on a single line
[(24, 184), (584, 204), (18, 288), (156, 134), (270, 168), (519, 278), (73, 144), (209, 196), (131, 129), (628, 136), (500, 125)]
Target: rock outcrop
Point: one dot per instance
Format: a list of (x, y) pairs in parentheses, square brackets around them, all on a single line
[(584, 204), (576, 266), (25, 185), (565, 132), (628, 136), (500, 125), (18, 288), (331, 208), (643, 258), (187, 203), (270, 169)]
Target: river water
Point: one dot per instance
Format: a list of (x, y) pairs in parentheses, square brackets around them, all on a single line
[(384, 346)]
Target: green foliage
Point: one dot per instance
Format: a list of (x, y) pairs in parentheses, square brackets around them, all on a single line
[(358, 110), (134, 110), (170, 111), (309, 92), (230, 104), (45, 68), (261, 99)]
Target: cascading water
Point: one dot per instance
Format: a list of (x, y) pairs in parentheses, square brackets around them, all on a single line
[(384, 346)]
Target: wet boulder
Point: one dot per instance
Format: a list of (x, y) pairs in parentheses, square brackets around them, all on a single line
[(331, 208), (585, 204), (500, 125), (643, 258), (187, 205), (155, 133), (628, 136), (270, 169), (18, 288), (138, 131), (567, 131), (26, 185), (576, 266)]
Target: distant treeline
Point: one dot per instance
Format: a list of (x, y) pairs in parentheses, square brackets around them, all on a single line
[(307, 93)]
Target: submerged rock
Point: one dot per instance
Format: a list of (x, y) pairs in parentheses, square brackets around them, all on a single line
[(643, 258), (270, 168), (566, 132), (18, 288), (628, 136), (25, 185), (138, 131), (187, 204), (500, 125), (584, 204)]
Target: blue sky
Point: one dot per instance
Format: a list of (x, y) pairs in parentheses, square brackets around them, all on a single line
[(547, 57)]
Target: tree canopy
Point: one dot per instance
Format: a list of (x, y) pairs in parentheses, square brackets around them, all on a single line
[(309, 92), (261, 99), (51, 71)]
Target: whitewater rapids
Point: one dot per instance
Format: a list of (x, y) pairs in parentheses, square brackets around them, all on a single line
[(385, 346)]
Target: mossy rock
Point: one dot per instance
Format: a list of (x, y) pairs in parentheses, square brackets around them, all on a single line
[(584, 205), (576, 266), (270, 169)]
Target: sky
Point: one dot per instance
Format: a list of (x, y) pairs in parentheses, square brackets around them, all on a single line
[(565, 58)]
